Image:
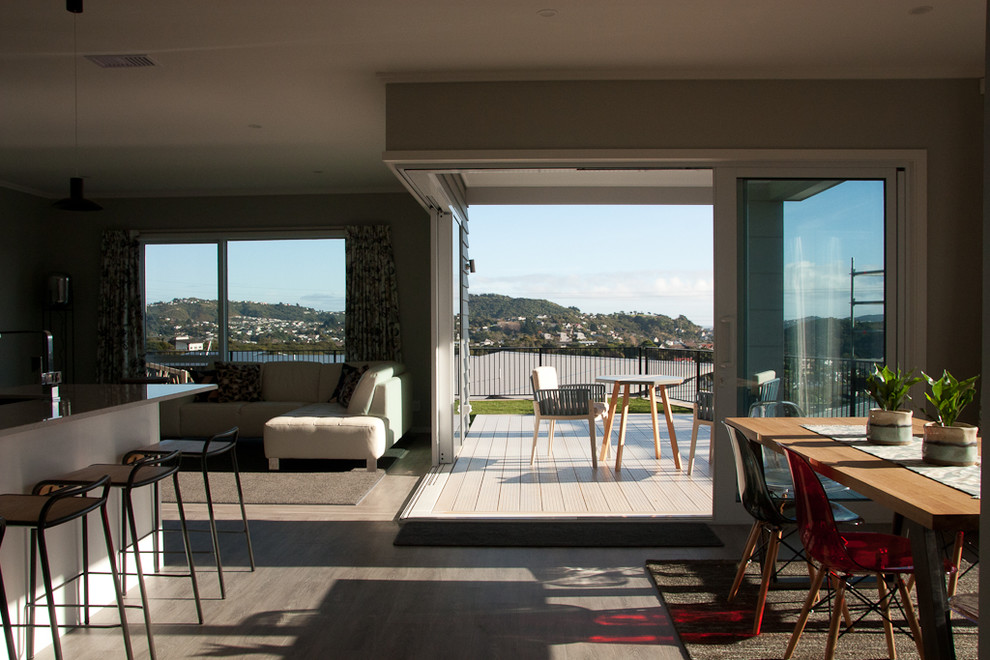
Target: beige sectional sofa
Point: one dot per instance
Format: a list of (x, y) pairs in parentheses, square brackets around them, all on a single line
[(298, 415)]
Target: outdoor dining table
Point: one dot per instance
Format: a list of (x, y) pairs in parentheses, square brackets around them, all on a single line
[(926, 506), (653, 383)]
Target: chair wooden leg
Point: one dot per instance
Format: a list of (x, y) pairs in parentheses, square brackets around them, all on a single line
[(754, 536), (769, 565), (812, 598), (694, 445), (956, 560), (536, 433), (592, 432), (550, 443), (833, 624), (910, 615), (888, 627)]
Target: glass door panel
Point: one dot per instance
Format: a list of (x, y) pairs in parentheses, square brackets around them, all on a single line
[(812, 291)]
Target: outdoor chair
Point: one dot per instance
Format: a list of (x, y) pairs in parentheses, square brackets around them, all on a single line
[(704, 414), (845, 555), (770, 516), (552, 402)]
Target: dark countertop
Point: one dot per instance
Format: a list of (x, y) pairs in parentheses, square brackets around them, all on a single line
[(24, 408)]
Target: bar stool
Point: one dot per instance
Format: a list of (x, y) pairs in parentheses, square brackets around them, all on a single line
[(138, 469), (40, 512), (8, 628), (202, 450)]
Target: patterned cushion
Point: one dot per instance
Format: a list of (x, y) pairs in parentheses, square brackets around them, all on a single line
[(205, 377), (349, 378), (238, 382)]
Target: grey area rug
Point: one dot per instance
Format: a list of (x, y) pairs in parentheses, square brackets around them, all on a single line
[(712, 629), (277, 487), (556, 534)]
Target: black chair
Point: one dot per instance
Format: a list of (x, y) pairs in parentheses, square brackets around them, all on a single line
[(775, 468), (201, 451), (770, 515), (42, 511)]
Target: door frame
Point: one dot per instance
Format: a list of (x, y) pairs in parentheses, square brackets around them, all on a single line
[(419, 172)]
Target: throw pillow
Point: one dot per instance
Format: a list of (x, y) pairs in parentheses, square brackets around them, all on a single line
[(205, 377), (238, 382), (349, 379)]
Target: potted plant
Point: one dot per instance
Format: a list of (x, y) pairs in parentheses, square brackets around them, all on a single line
[(887, 424), (946, 441)]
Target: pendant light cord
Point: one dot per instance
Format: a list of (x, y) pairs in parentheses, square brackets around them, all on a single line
[(75, 93)]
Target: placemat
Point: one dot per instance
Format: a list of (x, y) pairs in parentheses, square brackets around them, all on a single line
[(966, 479)]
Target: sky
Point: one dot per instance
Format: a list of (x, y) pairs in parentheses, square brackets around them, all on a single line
[(600, 259), (307, 272)]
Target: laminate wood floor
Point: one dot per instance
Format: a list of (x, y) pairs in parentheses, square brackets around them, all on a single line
[(330, 584)]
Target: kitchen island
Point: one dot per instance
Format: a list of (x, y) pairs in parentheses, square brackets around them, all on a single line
[(42, 438)]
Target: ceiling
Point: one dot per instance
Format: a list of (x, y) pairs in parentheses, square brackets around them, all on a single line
[(282, 97)]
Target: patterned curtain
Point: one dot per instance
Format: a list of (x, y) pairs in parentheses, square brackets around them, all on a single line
[(371, 322), (120, 351)]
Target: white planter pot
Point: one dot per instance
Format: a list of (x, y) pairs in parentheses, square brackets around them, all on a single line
[(889, 427), (949, 445)]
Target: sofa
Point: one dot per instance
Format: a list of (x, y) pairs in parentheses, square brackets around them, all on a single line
[(353, 410)]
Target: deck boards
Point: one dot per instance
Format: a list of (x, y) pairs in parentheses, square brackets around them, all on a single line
[(492, 474)]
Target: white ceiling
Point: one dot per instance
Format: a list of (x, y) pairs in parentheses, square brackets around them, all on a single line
[(287, 96)]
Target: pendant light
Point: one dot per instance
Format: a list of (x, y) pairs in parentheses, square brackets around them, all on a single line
[(75, 201)]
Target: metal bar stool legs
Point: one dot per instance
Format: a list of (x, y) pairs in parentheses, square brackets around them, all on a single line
[(8, 628), (40, 512), (203, 450), (140, 468)]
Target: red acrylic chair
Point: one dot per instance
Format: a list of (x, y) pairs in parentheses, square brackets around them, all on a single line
[(846, 555)]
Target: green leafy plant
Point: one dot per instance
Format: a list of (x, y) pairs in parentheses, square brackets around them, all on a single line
[(889, 389), (950, 396)]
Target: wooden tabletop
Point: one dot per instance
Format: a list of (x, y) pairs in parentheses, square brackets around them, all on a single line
[(641, 379), (925, 501)]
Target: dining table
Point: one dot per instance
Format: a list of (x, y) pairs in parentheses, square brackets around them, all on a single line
[(925, 506), (622, 383)]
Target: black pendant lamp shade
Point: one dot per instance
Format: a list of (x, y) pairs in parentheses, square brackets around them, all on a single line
[(75, 201)]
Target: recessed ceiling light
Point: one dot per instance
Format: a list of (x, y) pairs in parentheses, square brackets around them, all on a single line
[(547, 13), (920, 10)]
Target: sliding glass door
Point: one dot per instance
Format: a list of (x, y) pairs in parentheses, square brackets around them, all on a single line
[(819, 273), (812, 294)]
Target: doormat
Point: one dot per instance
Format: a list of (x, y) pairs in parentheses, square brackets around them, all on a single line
[(550, 534), (694, 594)]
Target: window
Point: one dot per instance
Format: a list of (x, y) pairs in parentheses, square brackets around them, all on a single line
[(284, 299)]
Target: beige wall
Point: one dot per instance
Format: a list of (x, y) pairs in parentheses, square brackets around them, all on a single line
[(73, 246), (943, 117)]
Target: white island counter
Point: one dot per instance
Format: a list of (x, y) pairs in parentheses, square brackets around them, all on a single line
[(41, 439)]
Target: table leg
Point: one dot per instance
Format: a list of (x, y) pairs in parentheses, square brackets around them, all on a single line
[(653, 418), (622, 427), (933, 608), (670, 426), (607, 439)]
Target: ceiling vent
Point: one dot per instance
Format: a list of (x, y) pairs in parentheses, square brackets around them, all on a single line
[(121, 61)]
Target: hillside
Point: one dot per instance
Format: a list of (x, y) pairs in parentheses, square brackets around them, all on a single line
[(251, 323), (504, 321)]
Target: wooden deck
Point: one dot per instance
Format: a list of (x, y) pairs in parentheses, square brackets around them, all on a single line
[(492, 476)]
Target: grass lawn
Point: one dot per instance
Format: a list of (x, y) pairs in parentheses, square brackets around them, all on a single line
[(525, 407)]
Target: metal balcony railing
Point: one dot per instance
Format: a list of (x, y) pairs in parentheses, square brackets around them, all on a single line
[(504, 372)]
